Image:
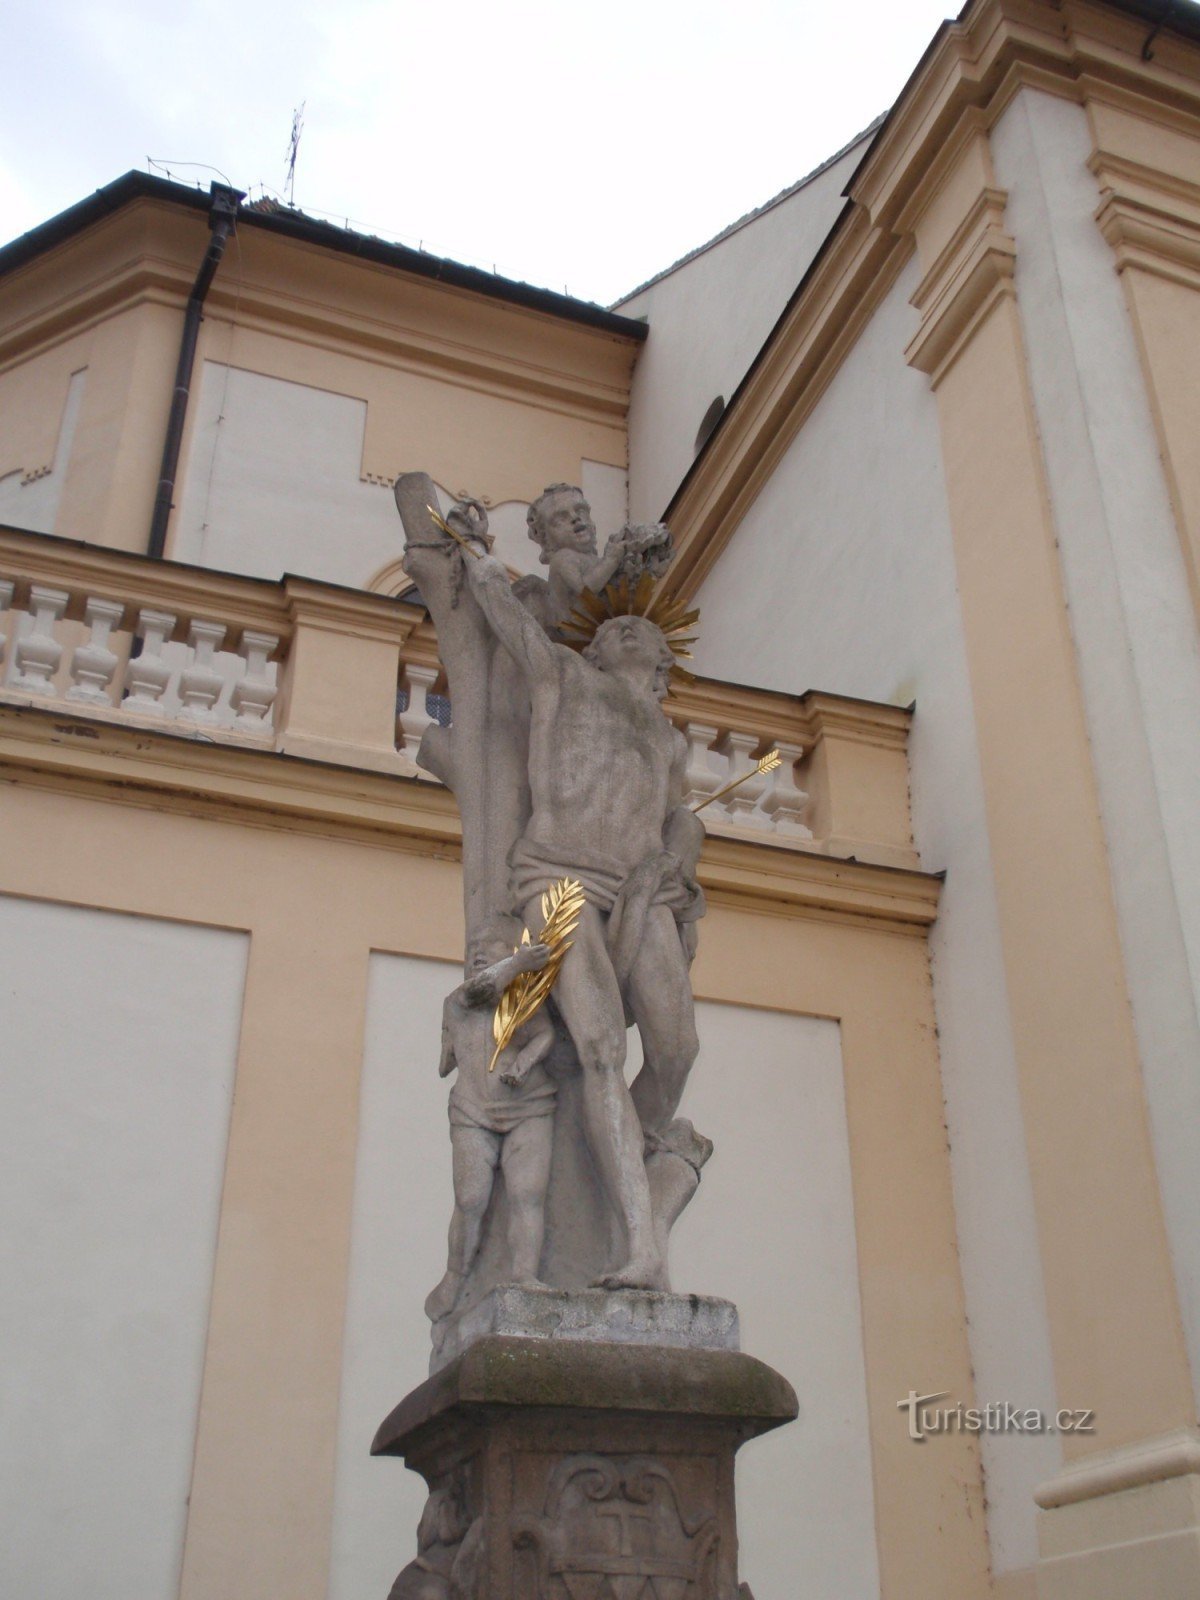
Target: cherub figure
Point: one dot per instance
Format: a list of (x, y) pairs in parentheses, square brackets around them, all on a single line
[(560, 523), (503, 1119)]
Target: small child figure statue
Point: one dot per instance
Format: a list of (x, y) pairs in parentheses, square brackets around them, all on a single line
[(500, 1119)]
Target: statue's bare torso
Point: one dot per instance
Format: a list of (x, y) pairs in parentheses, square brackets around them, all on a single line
[(601, 761)]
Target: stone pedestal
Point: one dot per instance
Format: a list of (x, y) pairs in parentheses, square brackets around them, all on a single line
[(564, 1469), (596, 1316)]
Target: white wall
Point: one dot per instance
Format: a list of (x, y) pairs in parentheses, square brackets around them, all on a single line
[(34, 505), (772, 1227), (120, 1038), (402, 1202), (708, 318), (274, 485), (842, 578), (1132, 620)]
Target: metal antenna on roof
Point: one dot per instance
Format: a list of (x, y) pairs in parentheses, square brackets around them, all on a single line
[(293, 147)]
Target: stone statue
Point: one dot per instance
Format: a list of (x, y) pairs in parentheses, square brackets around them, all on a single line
[(500, 1119), (578, 1430), (560, 521), (564, 766), (606, 780)]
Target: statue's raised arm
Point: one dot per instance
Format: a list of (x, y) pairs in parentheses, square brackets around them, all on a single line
[(514, 626)]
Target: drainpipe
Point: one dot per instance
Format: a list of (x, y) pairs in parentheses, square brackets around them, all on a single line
[(222, 216)]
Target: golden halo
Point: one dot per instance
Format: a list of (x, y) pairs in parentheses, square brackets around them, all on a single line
[(625, 599)]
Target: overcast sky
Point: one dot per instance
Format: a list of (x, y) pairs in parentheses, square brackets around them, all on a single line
[(578, 146)]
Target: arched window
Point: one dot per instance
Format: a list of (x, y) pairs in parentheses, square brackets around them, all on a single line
[(709, 421)]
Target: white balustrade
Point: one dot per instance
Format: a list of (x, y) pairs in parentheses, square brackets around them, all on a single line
[(412, 722), (705, 769), (253, 695), (200, 683), (38, 654), (94, 664), (762, 801), (147, 675), (235, 694), (6, 593), (785, 805), (741, 804)]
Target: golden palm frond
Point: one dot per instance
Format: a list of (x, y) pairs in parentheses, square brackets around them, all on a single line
[(562, 904)]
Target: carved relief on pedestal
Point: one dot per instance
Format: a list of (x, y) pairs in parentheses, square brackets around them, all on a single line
[(614, 1528), (450, 1549)]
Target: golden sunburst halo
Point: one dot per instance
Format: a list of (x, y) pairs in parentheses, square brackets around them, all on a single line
[(625, 599)]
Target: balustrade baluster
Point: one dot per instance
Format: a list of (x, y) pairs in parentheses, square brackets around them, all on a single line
[(38, 654), (704, 775), (740, 806), (93, 664), (147, 674), (412, 722), (200, 683), (784, 805), (254, 694), (6, 593)]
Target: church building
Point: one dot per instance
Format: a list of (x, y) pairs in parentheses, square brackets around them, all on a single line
[(926, 430)]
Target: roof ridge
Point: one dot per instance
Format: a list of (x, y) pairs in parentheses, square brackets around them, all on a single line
[(758, 211)]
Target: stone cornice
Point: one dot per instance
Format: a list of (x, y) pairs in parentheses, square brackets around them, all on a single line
[(1173, 1455), (142, 767), (138, 582), (147, 253), (1151, 219), (975, 269), (800, 719), (353, 611), (1086, 51), (810, 342)]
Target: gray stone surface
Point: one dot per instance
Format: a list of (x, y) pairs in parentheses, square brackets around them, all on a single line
[(597, 1316), (558, 1469)]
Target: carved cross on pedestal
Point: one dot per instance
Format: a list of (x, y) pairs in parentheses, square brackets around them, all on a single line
[(625, 1514)]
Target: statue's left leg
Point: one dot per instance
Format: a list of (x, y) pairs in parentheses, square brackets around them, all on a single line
[(660, 997), (525, 1159)]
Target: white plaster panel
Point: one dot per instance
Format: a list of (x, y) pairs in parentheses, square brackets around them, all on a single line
[(842, 577), (34, 505), (273, 483), (708, 319), (606, 489), (1131, 617), (772, 1228), (768, 1088), (120, 1038), (402, 1202)]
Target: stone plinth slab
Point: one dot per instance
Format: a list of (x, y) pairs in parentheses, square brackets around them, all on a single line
[(559, 1467), (594, 1316)]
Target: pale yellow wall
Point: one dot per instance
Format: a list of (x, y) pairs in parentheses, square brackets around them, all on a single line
[(1112, 1284), (315, 906), (499, 401), (487, 396)]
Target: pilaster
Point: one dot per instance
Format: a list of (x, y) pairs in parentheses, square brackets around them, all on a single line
[(1148, 169), (1110, 1290)]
